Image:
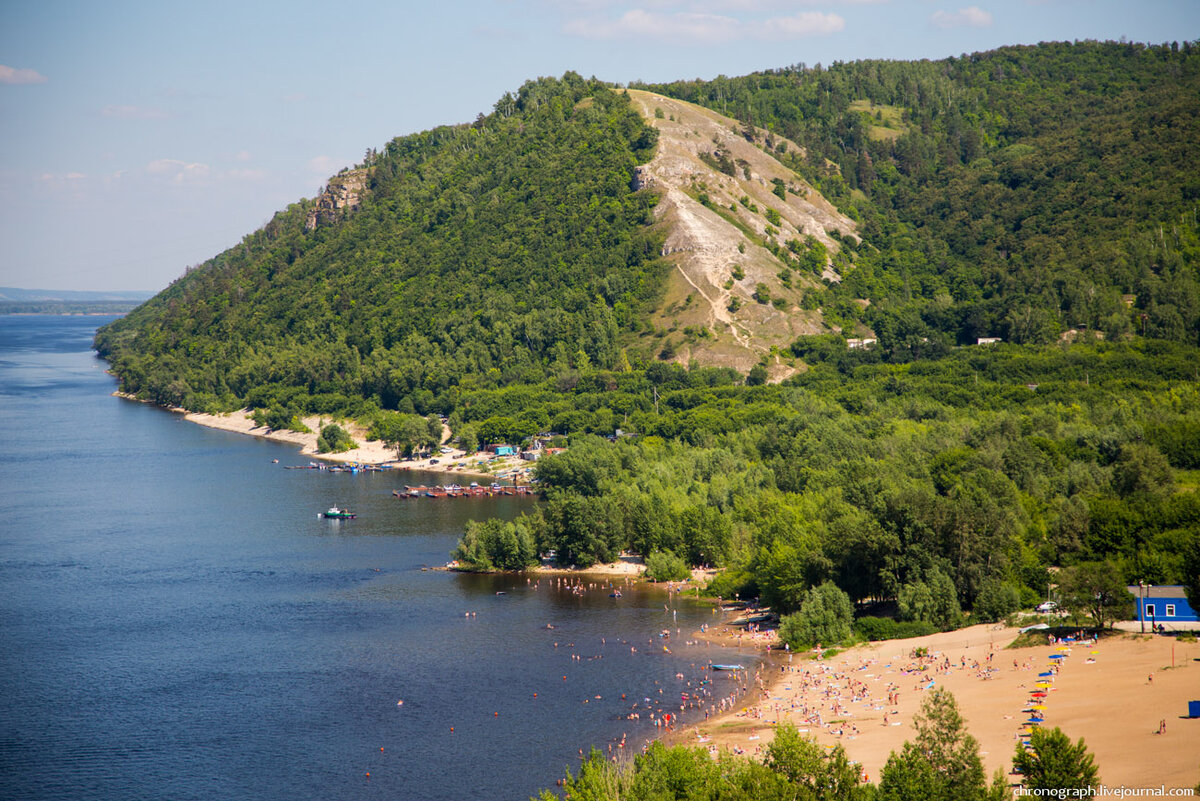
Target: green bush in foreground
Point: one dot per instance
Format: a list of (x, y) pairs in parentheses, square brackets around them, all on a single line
[(943, 764), (794, 768), (1053, 762)]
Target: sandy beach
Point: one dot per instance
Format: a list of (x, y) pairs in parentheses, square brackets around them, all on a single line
[(865, 699), (369, 451)]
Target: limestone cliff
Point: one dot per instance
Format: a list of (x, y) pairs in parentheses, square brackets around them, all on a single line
[(343, 192)]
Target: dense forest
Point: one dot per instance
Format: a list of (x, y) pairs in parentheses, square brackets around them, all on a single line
[(489, 253), (500, 273), (975, 472)]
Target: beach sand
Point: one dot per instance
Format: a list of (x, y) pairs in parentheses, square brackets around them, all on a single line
[(373, 452), (1102, 693)]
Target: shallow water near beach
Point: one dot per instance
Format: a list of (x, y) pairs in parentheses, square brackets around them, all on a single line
[(179, 623)]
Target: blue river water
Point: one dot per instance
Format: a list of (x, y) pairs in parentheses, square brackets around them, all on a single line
[(178, 623)]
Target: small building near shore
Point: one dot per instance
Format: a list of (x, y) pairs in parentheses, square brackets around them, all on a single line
[(1164, 605), (502, 449)]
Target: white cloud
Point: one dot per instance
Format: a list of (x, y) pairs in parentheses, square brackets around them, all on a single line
[(14, 76), (177, 171), (242, 155), (970, 17), (133, 113), (808, 23), (699, 26)]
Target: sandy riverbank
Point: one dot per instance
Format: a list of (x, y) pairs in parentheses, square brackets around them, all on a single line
[(369, 451), (1101, 693)]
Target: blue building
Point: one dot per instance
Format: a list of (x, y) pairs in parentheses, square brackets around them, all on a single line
[(1166, 605)]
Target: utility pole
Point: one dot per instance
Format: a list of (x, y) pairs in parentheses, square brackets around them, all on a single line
[(1142, 609)]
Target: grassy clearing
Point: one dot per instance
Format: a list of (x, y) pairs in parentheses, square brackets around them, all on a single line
[(885, 122)]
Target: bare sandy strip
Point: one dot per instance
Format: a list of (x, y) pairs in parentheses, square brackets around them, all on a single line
[(369, 451), (1102, 693)]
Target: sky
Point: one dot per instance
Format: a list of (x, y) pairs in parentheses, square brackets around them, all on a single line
[(138, 139)]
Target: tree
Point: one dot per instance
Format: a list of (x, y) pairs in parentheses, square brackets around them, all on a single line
[(497, 545), (335, 439), (808, 765), (666, 566), (943, 764), (825, 617), (1097, 589), (406, 433), (1142, 470), (996, 600), (933, 600), (1052, 762)]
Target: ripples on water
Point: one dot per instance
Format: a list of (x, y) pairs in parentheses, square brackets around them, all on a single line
[(178, 622)]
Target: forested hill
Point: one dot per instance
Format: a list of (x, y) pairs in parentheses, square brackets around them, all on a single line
[(1019, 193), (1015, 193), (483, 253)]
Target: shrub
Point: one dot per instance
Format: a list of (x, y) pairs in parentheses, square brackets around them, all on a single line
[(732, 583), (824, 617), (885, 628), (666, 566), (335, 439)]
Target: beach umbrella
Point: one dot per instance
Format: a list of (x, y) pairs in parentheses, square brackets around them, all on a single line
[(1058, 656), (1047, 673)]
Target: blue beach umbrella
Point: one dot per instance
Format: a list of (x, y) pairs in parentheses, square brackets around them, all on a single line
[(1046, 674), (1058, 656)]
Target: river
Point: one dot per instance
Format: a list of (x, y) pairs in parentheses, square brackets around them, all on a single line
[(178, 622)]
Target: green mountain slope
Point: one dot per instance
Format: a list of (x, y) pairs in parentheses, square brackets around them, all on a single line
[(487, 253), (1014, 193)]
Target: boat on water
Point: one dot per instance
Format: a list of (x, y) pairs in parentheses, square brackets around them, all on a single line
[(334, 513), (728, 667)]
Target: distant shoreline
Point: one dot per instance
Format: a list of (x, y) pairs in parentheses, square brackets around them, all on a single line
[(369, 452), (62, 313)]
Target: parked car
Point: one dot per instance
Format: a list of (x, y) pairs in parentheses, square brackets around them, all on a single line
[(1048, 606)]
